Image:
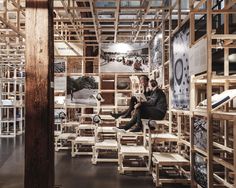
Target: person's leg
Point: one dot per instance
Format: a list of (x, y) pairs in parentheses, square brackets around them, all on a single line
[(139, 126), (132, 122), (153, 114), (133, 102), (127, 112)]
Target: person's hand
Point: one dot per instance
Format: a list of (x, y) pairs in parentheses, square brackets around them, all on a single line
[(137, 105)]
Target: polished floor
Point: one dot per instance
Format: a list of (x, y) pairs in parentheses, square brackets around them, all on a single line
[(69, 172)]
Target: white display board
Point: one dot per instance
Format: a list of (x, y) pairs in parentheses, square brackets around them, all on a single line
[(60, 83), (198, 57), (67, 49)]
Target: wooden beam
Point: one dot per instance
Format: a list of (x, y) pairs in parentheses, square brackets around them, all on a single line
[(95, 22), (12, 27), (117, 19), (39, 147), (209, 102), (65, 6), (143, 19)]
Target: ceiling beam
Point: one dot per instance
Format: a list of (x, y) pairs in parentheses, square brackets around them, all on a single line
[(143, 19), (12, 27), (95, 21)]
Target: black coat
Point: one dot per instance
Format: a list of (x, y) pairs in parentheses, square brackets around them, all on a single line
[(157, 99)]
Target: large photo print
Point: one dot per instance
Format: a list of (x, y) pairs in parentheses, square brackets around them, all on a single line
[(124, 57), (156, 52), (82, 90), (180, 68)]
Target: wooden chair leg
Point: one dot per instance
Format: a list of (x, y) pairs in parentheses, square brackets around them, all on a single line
[(157, 175)]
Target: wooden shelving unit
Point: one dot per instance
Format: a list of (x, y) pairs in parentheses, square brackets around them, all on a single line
[(12, 99), (219, 124)]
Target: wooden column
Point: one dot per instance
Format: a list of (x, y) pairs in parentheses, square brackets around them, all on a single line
[(209, 94), (39, 147)]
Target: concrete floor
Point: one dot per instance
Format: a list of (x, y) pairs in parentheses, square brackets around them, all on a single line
[(69, 172)]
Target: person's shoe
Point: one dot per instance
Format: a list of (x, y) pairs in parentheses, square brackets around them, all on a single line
[(114, 115), (99, 97), (151, 125), (137, 129), (118, 129)]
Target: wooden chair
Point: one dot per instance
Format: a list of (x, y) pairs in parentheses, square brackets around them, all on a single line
[(134, 153), (108, 145), (168, 162)]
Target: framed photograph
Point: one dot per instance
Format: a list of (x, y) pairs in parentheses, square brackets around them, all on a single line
[(200, 132), (156, 52), (59, 66), (124, 57), (82, 90), (200, 170), (180, 77)]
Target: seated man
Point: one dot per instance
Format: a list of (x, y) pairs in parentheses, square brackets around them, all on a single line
[(145, 90), (154, 108)]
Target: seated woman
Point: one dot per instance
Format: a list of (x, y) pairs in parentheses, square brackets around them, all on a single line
[(143, 81), (154, 108)]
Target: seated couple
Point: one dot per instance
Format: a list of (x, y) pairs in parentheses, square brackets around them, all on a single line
[(154, 108)]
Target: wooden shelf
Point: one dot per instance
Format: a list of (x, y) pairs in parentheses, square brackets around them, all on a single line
[(224, 115)]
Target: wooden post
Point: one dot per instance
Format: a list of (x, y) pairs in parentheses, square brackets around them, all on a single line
[(209, 94), (39, 147)]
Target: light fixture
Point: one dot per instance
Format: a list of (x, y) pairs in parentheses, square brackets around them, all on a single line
[(232, 58), (219, 44)]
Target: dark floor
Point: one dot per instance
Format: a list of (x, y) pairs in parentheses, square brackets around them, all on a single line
[(70, 172)]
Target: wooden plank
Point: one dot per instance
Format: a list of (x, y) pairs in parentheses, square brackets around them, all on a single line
[(143, 19), (39, 147), (95, 22), (12, 27), (117, 19), (209, 103)]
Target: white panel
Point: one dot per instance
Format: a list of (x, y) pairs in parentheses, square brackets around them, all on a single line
[(198, 58)]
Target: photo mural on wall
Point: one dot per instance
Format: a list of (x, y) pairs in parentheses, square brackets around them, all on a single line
[(59, 66), (124, 57), (82, 90), (156, 52), (180, 68), (200, 132), (200, 170)]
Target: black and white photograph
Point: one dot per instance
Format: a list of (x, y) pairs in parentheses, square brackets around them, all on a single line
[(60, 83), (180, 68), (200, 170), (124, 57), (59, 66), (200, 132), (156, 52), (82, 90), (59, 115)]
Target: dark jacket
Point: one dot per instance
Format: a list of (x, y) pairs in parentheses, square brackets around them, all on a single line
[(147, 93), (157, 99)]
